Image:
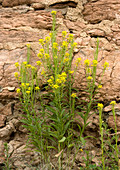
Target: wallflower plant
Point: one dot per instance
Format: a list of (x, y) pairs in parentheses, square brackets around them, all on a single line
[(51, 126)]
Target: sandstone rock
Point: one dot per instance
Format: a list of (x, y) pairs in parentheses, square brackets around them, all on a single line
[(38, 6), (6, 110), (2, 157), (11, 3), (95, 12), (2, 120)]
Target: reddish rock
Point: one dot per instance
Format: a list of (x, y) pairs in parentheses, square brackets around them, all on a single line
[(95, 12), (2, 120), (11, 3), (6, 110), (38, 6)]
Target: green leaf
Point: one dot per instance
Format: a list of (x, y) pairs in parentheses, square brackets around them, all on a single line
[(71, 145), (51, 147), (62, 140)]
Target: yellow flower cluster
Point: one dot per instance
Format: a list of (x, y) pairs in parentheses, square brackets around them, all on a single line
[(70, 38), (89, 78), (100, 106), (28, 66), (42, 50), (73, 95), (17, 64), (78, 61), (59, 81), (40, 55), (71, 72), (41, 41), (64, 33), (87, 62), (88, 70), (53, 12), (27, 92), (55, 45), (25, 62), (47, 56), (66, 60), (28, 45), (16, 74), (43, 72), (64, 44), (18, 90), (37, 88), (39, 63), (99, 86), (47, 39), (113, 103), (105, 65), (95, 62), (74, 44)]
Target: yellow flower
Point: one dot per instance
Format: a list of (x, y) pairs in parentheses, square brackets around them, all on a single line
[(106, 64), (55, 45), (88, 70), (78, 61), (53, 12), (71, 72), (43, 72), (50, 81), (19, 78), (16, 74), (50, 34), (74, 44), (33, 68), (55, 86), (99, 86), (41, 41), (89, 78), (70, 37), (64, 44), (47, 56), (28, 66), (23, 84), (40, 55), (29, 88), (100, 105), (63, 79), (39, 63), (64, 74), (42, 50), (37, 88), (28, 45), (66, 60), (17, 64), (64, 33), (87, 62), (73, 95), (27, 84), (81, 150), (95, 62), (67, 54), (58, 81), (25, 62), (18, 90), (113, 103), (47, 39), (28, 92)]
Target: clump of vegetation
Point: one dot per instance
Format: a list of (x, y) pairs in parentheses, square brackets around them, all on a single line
[(49, 117)]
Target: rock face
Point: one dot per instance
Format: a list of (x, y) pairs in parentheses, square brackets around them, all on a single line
[(26, 21)]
